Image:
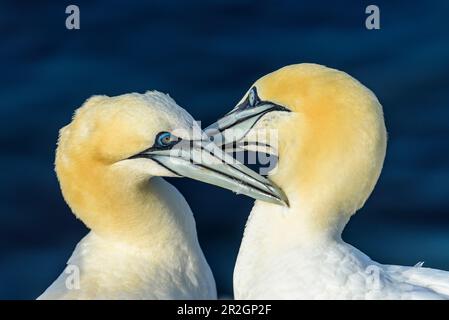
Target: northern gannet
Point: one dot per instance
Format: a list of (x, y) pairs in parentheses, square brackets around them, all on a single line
[(143, 242), (331, 147)]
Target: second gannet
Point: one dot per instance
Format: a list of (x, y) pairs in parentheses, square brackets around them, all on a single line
[(143, 242), (331, 148)]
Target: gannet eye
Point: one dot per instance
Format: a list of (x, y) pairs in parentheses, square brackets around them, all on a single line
[(253, 99), (165, 139)]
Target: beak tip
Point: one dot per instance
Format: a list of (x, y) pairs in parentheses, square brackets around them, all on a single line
[(279, 195), (284, 201)]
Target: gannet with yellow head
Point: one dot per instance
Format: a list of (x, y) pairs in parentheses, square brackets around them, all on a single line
[(331, 147), (143, 242)]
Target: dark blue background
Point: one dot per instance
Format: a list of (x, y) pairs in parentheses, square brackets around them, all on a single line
[(206, 55)]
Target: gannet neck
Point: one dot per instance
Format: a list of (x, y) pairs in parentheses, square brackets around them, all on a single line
[(122, 205), (315, 209)]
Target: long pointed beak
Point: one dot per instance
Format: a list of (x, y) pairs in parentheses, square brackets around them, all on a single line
[(235, 125), (202, 160)]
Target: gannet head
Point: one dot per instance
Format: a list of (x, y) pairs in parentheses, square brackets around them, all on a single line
[(331, 136), (113, 145)]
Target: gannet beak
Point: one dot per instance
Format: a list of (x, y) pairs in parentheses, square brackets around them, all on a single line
[(202, 160), (235, 125)]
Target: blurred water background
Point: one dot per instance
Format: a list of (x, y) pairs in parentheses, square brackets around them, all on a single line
[(206, 54)]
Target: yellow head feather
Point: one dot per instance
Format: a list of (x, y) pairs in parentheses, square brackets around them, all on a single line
[(111, 196), (331, 146)]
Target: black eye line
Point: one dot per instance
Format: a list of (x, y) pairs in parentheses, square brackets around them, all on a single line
[(156, 147), (259, 102)]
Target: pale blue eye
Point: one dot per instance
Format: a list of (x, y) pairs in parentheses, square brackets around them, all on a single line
[(164, 139), (253, 98)]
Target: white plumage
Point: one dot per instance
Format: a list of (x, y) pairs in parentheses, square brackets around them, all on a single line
[(166, 268), (270, 266), (330, 137), (143, 242)]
